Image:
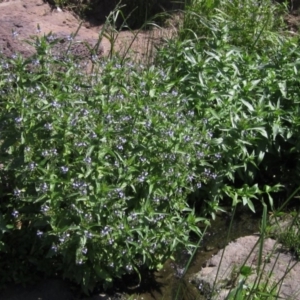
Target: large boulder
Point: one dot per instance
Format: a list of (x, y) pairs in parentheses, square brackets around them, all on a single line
[(245, 251)]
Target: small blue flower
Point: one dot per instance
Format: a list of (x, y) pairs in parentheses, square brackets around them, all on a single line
[(15, 213), (18, 120), (32, 166), (44, 187), (64, 169), (88, 234), (17, 192), (87, 160), (142, 177), (48, 126), (45, 208)]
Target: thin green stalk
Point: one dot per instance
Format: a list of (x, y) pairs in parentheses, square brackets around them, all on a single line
[(227, 239), (108, 31), (280, 281), (261, 32), (73, 36), (191, 259), (260, 251), (262, 236), (271, 271), (289, 199)]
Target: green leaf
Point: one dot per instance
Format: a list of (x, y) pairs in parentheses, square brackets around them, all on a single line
[(213, 55), (260, 157), (249, 106), (261, 130), (152, 93), (246, 271), (283, 88)]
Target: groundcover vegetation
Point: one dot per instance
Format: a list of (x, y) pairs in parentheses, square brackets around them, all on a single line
[(101, 173), (96, 169)]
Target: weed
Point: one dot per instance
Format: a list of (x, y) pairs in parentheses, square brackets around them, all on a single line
[(98, 171)]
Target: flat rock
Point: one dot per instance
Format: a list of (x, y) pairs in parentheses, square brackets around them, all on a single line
[(276, 262)]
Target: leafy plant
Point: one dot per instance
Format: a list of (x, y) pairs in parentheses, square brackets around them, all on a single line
[(249, 112), (247, 24), (290, 236), (105, 174), (96, 168)]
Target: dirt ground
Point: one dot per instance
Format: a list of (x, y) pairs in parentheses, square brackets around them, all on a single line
[(20, 19)]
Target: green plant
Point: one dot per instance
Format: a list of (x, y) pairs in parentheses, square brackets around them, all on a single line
[(249, 291), (242, 286), (104, 174), (249, 279), (284, 226), (96, 168), (248, 102), (290, 236), (247, 97), (262, 286), (243, 23)]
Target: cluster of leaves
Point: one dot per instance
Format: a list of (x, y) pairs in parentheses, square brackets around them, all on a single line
[(95, 169), (290, 236), (246, 23), (250, 101), (260, 289)]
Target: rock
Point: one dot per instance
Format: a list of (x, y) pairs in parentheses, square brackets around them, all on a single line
[(275, 262)]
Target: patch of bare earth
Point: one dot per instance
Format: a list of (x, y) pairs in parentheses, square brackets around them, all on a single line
[(293, 18), (23, 17)]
